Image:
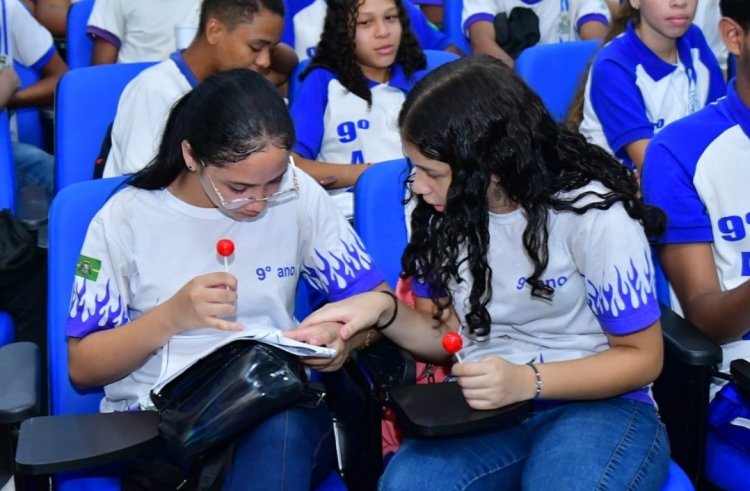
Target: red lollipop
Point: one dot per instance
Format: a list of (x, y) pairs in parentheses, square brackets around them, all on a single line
[(225, 248), (452, 343)]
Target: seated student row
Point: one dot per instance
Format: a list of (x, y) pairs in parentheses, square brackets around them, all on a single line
[(155, 301), (344, 110)]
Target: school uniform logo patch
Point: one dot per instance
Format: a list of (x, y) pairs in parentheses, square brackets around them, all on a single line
[(88, 268)]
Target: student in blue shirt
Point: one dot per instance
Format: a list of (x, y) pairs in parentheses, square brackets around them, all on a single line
[(657, 71), (697, 171), (346, 107)]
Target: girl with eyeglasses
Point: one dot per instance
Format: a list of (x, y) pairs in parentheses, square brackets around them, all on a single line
[(152, 277)]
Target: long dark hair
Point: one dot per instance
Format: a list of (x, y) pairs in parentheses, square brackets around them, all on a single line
[(624, 14), (335, 50), (227, 118), (482, 120)]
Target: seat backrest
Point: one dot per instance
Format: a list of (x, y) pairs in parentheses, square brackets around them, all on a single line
[(452, 24), (28, 120), (379, 214), (555, 71), (85, 105), (7, 171), (70, 214), (79, 44)]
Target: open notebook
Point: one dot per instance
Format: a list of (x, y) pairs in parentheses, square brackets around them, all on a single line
[(184, 350)]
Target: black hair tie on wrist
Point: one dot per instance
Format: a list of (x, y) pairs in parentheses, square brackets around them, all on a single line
[(395, 311)]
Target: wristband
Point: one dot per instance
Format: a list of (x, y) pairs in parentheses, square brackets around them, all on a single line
[(395, 311), (539, 382)]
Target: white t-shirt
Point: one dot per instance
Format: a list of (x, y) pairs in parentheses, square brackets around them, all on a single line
[(143, 30), (142, 113), (143, 246), (600, 267), (22, 39), (559, 20)]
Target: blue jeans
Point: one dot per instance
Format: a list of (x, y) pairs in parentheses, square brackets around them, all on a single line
[(292, 450), (34, 167), (612, 444)]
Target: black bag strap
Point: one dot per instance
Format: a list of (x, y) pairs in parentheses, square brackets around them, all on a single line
[(104, 150), (18, 251)]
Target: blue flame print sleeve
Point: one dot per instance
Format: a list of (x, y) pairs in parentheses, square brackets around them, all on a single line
[(613, 255), (335, 261), (99, 299)]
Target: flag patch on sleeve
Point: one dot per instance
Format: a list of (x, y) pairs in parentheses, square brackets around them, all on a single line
[(88, 267)]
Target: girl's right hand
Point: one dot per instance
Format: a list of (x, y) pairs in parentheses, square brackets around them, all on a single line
[(356, 313), (202, 302)]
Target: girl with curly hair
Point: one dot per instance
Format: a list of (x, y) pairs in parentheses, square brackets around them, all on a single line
[(346, 107), (531, 243)]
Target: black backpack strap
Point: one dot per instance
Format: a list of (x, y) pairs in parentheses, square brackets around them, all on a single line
[(104, 150)]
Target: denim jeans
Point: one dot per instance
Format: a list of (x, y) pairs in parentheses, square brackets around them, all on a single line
[(292, 450), (612, 444), (34, 167)]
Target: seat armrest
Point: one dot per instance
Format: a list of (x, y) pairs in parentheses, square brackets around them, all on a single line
[(740, 370), (20, 380), (441, 410), (685, 344), (51, 444), (682, 390)]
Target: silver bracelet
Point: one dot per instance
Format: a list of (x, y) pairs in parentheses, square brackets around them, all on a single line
[(539, 382)]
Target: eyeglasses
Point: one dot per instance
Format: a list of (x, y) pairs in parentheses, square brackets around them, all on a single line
[(236, 204)]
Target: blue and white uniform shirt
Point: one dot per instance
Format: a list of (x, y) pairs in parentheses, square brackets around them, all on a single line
[(142, 247), (559, 20), (600, 268), (304, 19), (697, 171), (24, 40), (631, 93), (336, 126), (142, 113)]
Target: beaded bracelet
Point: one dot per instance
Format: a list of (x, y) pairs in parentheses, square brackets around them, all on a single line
[(539, 382), (395, 311)]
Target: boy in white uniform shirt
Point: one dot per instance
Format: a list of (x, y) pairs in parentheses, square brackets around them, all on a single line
[(129, 31)]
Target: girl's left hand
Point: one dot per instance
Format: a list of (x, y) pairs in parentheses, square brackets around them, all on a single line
[(493, 382), (323, 334)]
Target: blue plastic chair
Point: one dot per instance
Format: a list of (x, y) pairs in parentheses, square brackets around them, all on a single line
[(7, 201), (726, 466), (381, 224), (435, 58), (555, 72), (79, 44), (85, 106), (452, 24), (28, 119)]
